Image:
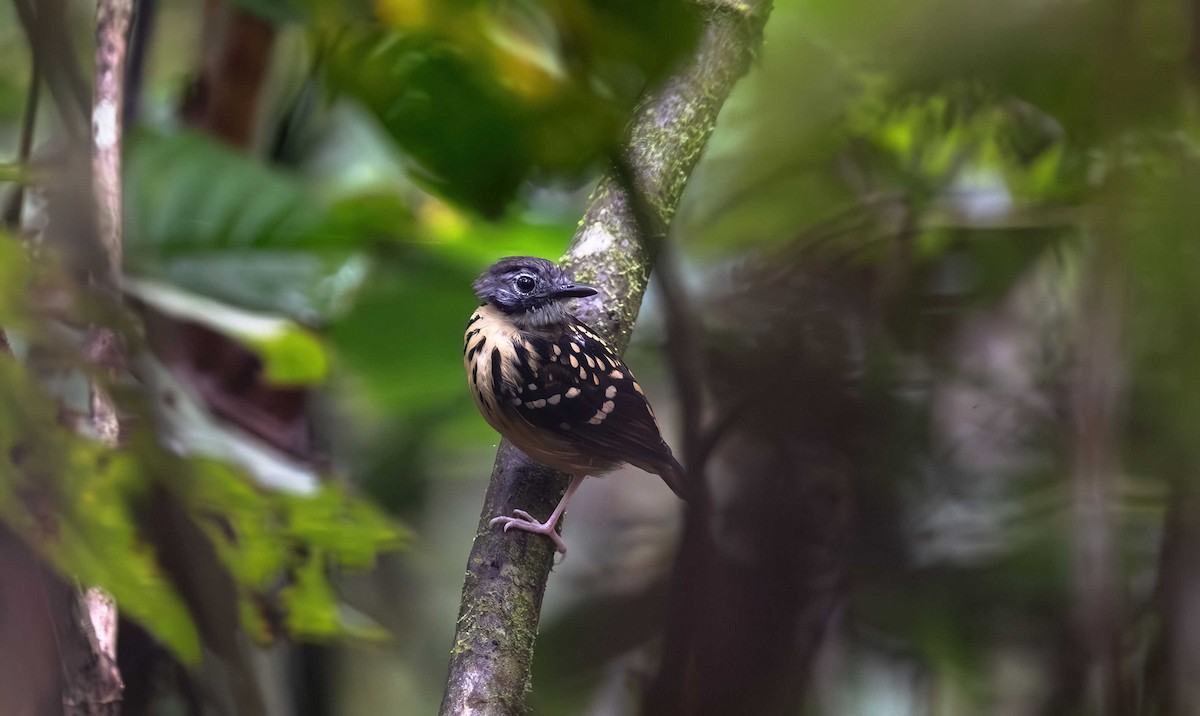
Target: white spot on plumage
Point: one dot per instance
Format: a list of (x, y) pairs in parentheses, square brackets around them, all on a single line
[(608, 406), (616, 375), (507, 337)]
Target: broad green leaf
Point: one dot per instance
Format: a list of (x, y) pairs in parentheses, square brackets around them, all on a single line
[(461, 128), (484, 98), (291, 355), (225, 226)]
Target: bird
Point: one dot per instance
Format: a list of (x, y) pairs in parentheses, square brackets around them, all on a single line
[(554, 387)]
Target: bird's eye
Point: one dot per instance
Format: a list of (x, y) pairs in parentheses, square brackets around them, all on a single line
[(525, 284)]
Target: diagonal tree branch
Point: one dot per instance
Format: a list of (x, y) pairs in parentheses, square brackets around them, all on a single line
[(507, 572)]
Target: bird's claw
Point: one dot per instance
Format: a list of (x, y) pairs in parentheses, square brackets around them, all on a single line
[(526, 523)]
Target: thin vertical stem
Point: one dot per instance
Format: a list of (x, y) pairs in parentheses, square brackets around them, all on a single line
[(16, 201), (93, 684), (1096, 402)]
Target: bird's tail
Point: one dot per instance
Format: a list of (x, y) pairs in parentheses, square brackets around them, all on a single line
[(673, 474)]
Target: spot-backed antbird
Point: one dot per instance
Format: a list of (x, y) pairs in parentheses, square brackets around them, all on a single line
[(553, 387)]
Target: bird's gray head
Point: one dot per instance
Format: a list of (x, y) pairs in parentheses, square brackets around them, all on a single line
[(532, 291)]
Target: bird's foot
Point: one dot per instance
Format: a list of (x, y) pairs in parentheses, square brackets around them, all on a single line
[(525, 522)]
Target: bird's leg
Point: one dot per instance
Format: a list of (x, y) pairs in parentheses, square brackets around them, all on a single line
[(525, 521)]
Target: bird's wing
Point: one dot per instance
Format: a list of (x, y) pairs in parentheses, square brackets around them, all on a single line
[(584, 393)]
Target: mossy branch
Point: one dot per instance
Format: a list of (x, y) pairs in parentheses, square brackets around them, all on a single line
[(506, 574)]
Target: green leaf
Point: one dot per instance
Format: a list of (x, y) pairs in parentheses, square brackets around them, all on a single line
[(99, 545), (461, 128), (350, 531), (263, 536), (225, 226), (255, 554), (310, 603), (337, 531), (185, 192), (69, 499), (487, 97), (291, 355)]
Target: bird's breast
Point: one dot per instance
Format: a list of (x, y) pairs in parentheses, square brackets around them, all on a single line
[(489, 355), (501, 361)]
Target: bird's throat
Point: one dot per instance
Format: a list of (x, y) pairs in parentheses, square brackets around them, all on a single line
[(540, 318)]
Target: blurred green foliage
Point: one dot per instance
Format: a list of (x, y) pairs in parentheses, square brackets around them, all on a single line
[(212, 221), (71, 499), (83, 506), (961, 160), (484, 96)]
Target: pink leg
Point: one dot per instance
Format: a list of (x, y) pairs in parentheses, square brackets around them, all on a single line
[(525, 521)]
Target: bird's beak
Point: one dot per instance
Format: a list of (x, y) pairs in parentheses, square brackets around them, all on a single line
[(573, 290)]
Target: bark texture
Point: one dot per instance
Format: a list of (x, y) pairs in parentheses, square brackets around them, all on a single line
[(89, 647), (506, 574)]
